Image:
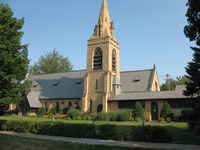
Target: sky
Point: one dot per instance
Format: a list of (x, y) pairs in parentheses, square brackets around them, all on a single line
[(149, 31)]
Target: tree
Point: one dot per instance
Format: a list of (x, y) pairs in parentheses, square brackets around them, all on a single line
[(13, 58), (138, 111), (169, 85), (53, 62), (166, 111), (192, 31), (181, 80)]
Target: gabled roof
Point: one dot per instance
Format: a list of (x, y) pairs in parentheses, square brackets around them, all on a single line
[(163, 95), (69, 85), (136, 81)]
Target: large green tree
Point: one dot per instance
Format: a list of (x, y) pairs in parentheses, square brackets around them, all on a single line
[(192, 31), (13, 57), (53, 62)]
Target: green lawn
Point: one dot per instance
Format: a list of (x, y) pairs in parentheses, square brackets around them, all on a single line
[(180, 132), (16, 143)]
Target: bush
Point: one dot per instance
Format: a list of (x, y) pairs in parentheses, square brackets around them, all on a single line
[(139, 111), (152, 134), (103, 116), (166, 111), (88, 130), (65, 110), (186, 114), (51, 112), (41, 112), (124, 115), (113, 132), (73, 113)]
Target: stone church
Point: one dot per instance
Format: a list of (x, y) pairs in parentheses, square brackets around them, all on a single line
[(102, 86)]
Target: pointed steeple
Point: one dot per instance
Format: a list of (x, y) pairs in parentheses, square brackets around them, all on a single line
[(104, 16), (104, 27)]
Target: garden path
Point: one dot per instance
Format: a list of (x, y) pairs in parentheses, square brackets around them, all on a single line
[(107, 142)]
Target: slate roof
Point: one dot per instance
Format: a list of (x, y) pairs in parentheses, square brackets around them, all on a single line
[(135, 85), (69, 85), (60, 85), (136, 81), (163, 95)]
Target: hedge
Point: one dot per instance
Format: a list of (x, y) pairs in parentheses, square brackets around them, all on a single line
[(88, 130)]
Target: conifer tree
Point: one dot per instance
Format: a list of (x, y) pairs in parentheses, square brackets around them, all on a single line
[(192, 31), (13, 58)]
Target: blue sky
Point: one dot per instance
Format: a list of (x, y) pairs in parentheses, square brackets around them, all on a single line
[(149, 31)]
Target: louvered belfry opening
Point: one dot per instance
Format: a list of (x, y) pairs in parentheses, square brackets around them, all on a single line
[(98, 59), (114, 60)]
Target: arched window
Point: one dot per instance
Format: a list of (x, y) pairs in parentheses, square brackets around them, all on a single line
[(114, 60), (98, 59)]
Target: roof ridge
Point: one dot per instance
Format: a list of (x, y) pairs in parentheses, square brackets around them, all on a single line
[(82, 70), (137, 70)]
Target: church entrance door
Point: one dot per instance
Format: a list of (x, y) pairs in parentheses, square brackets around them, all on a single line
[(154, 111), (99, 108)]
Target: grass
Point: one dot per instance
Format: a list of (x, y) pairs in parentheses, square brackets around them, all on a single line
[(18, 143), (179, 130)]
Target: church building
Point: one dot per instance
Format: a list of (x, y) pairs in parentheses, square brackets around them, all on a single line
[(102, 87)]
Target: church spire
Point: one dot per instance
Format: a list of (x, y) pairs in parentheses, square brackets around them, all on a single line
[(104, 16), (104, 27)]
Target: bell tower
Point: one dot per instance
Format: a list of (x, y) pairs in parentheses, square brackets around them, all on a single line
[(102, 79)]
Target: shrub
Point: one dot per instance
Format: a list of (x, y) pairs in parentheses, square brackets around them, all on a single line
[(65, 110), (186, 114), (197, 129), (113, 116), (41, 112), (51, 112), (103, 116), (166, 111), (73, 113), (88, 130), (161, 119), (152, 134), (124, 115), (113, 132), (137, 119), (139, 111)]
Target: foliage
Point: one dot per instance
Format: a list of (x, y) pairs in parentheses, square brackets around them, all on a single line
[(192, 31), (14, 58), (53, 62), (103, 116), (152, 134), (181, 80), (88, 130), (124, 115), (170, 83), (186, 114), (41, 112), (139, 112), (73, 113), (166, 111)]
